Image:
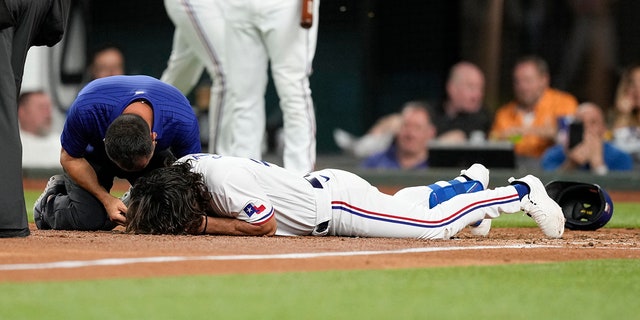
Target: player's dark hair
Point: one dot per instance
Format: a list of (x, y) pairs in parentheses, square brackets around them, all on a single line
[(169, 200), (128, 141)]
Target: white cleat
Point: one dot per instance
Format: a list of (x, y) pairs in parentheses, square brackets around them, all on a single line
[(539, 206), (480, 228), (477, 172)]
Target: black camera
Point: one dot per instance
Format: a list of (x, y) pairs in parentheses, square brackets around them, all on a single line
[(576, 132)]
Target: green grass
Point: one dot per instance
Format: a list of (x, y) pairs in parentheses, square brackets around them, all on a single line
[(601, 289), (626, 215)]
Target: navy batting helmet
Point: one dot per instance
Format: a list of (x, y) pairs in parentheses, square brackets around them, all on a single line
[(586, 206)]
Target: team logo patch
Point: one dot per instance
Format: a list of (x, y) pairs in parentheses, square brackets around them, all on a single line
[(250, 209)]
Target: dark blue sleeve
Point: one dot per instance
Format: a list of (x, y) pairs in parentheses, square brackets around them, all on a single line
[(553, 158), (74, 137), (177, 124), (616, 159), (189, 143)]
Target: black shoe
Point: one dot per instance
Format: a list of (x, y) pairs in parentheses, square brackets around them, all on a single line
[(14, 233), (54, 186)]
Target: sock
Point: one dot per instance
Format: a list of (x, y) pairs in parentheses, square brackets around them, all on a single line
[(475, 224), (522, 189), (443, 191)]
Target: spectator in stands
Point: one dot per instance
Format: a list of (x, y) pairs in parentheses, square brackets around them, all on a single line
[(40, 146), (530, 121), (107, 60), (377, 139), (409, 150), (462, 114), (592, 152), (626, 126)]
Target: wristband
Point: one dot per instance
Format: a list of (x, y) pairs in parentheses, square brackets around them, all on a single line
[(206, 223)]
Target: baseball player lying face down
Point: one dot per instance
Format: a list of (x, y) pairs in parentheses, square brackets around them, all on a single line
[(212, 194)]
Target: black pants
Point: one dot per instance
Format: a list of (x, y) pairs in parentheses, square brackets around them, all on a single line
[(23, 22), (80, 210)]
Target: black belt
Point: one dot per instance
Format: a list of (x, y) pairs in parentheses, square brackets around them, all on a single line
[(314, 181)]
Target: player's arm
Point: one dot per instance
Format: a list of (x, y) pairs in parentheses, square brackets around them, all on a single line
[(235, 227), (83, 174)]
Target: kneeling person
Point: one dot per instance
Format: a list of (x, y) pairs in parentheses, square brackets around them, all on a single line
[(119, 126)]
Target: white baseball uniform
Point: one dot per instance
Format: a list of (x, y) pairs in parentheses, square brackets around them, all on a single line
[(340, 203), (198, 43), (262, 34)]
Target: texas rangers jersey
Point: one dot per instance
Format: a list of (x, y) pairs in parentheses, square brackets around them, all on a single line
[(103, 100), (256, 191), (340, 203)]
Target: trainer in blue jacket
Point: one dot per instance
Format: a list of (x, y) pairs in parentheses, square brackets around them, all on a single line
[(119, 126)]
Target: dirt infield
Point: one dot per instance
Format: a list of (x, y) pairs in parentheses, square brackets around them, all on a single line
[(72, 255)]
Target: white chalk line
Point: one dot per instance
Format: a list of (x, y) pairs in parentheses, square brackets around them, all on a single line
[(308, 255)]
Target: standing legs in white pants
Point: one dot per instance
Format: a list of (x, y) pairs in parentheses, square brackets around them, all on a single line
[(198, 43), (260, 32)]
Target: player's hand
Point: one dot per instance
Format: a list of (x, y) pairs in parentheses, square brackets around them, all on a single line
[(116, 210)]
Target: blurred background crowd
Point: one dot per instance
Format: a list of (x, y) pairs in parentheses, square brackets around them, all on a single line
[(555, 80)]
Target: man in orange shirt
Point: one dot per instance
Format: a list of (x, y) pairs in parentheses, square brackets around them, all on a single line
[(530, 121)]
